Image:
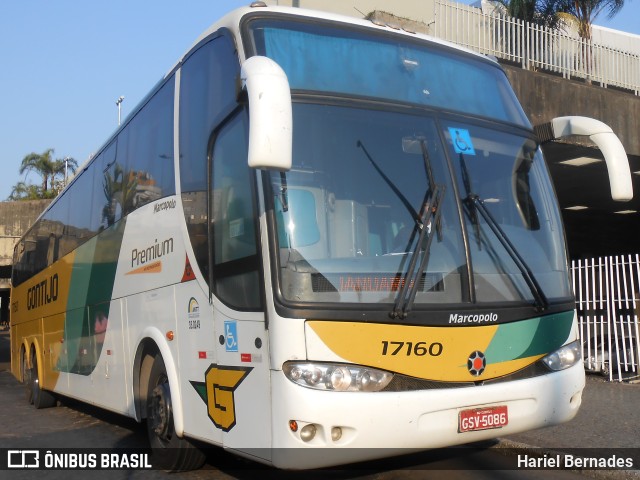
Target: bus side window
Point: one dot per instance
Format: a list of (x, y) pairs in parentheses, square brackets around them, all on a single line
[(236, 279), (207, 96)]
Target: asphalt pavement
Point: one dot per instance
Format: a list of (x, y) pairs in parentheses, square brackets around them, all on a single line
[(609, 417)]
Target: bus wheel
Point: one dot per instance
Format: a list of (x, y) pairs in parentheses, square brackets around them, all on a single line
[(40, 398), (170, 452), (26, 378)]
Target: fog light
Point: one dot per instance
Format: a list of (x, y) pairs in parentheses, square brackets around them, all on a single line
[(336, 434), (308, 432)]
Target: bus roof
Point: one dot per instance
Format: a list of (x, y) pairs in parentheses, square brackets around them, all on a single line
[(232, 20)]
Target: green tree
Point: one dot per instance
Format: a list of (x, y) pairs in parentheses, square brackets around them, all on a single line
[(119, 189), (49, 169), (586, 11), (24, 191), (539, 12)]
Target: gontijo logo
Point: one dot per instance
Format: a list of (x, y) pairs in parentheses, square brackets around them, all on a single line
[(218, 393), (43, 293)]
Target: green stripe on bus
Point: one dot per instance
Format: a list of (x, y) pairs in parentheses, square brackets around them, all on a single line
[(90, 292), (528, 338)]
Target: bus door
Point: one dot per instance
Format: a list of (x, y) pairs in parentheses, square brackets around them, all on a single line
[(240, 379)]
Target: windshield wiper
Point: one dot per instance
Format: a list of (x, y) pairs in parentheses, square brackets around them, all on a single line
[(429, 218), (475, 204), (466, 180), (414, 214), (284, 192), (540, 299), (411, 281)]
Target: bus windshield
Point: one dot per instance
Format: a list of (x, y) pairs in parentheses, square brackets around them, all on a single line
[(325, 58), (366, 182), (404, 201)]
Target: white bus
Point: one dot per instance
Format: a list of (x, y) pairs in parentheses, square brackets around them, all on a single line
[(314, 233)]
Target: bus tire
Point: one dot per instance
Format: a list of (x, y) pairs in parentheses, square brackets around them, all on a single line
[(26, 378), (40, 398), (169, 451)]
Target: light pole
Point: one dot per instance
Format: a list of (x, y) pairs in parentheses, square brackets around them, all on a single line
[(119, 103), (66, 166)]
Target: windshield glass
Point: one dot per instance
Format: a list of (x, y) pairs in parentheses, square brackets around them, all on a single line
[(348, 215), (506, 174), (323, 57)]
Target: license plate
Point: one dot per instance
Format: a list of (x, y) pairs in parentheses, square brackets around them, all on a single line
[(483, 418)]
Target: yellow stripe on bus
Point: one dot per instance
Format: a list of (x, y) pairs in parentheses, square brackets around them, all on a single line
[(433, 353)]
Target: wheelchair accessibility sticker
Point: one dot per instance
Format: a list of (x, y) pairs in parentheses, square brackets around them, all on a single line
[(461, 140), (231, 336)]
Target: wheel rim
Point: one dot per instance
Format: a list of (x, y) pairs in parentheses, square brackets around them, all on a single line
[(35, 383), (160, 412), (27, 379)]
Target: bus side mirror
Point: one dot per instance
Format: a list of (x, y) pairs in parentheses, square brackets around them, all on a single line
[(270, 118), (607, 141)]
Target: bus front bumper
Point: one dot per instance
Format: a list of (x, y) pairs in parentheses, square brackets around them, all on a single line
[(362, 426)]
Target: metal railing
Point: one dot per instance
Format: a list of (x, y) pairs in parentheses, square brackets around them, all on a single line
[(536, 47), (607, 304)]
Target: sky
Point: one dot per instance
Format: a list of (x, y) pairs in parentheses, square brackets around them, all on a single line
[(66, 62)]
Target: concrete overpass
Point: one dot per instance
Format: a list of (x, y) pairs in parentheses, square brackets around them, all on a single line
[(601, 228), (15, 219)]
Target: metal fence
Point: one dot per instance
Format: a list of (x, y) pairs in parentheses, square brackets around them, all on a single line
[(607, 303), (536, 47)]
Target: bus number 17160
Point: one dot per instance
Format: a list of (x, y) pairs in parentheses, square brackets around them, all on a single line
[(419, 349)]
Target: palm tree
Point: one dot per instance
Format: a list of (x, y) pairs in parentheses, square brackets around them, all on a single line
[(586, 11), (48, 168), (539, 12), (24, 191), (41, 163), (119, 189)]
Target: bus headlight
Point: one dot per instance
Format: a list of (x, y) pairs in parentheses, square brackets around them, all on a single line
[(565, 357), (337, 377)]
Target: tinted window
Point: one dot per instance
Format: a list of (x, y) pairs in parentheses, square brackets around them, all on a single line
[(236, 265), (207, 95), (52, 234), (149, 174), (135, 169), (103, 203), (79, 220), (327, 58), (143, 169)]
